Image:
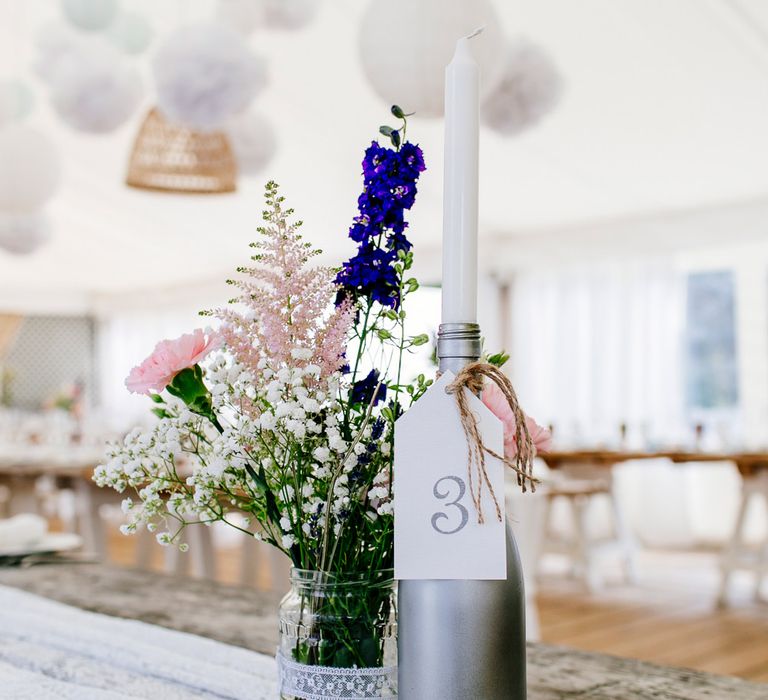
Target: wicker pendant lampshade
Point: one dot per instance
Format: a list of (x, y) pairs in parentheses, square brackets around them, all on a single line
[(173, 158)]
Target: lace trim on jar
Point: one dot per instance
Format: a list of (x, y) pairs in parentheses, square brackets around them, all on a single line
[(328, 683)]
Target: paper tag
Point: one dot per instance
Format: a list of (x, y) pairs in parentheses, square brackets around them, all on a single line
[(437, 535)]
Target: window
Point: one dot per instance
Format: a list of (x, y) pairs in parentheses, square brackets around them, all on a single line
[(710, 353)]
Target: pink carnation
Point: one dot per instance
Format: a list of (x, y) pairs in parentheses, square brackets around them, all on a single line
[(168, 359), (494, 399)]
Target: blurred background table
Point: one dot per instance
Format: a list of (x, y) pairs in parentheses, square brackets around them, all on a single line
[(585, 473), (748, 463)]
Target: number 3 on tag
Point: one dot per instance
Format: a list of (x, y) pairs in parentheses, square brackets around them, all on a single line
[(456, 503), (437, 534)]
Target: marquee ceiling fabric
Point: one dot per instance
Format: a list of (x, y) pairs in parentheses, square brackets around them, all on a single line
[(664, 111)]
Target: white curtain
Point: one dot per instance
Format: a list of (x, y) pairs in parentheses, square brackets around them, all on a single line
[(598, 345)]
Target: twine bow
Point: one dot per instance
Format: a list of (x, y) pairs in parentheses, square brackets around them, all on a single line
[(472, 377)]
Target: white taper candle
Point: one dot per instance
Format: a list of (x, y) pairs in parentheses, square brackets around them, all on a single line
[(460, 189)]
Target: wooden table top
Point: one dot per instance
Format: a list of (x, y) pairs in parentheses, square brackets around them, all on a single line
[(80, 461), (247, 618), (74, 461), (747, 462)]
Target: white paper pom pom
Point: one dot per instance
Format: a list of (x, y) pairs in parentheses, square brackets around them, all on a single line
[(91, 15), (253, 141), (205, 74), (406, 45), (29, 169), (22, 234), (93, 89), (243, 16), (529, 89), (16, 101), (290, 14), (56, 45), (130, 32), (98, 99)]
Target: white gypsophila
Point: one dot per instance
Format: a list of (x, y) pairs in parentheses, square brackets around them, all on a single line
[(267, 422), (321, 454)]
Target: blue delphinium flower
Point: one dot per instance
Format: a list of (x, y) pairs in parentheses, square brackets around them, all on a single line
[(377, 429), (362, 391), (390, 176)]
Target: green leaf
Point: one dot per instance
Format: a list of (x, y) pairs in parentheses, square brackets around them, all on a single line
[(161, 413), (188, 385), (499, 359), (157, 398), (386, 130), (397, 111)]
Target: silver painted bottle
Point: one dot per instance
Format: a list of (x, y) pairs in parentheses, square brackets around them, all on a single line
[(463, 640)]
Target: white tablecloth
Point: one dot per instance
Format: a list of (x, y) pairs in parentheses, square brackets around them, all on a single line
[(50, 651)]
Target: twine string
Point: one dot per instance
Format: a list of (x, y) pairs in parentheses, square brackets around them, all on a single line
[(472, 377)]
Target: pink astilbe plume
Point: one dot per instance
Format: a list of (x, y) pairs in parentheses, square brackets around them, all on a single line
[(286, 315)]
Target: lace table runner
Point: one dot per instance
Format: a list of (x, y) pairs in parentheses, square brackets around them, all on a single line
[(50, 651)]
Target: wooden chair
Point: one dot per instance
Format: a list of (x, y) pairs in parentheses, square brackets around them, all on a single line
[(199, 561), (738, 554), (5, 500), (255, 555), (578, 485)]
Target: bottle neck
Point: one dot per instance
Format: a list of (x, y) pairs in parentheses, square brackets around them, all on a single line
[(458, 344)]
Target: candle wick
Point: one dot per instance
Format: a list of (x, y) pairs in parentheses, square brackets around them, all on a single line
[(477, 31)]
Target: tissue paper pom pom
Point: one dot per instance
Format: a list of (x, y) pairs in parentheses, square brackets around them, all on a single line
[(290, 14), (406, 45), (22, 234), (16, 101), (245, 16), (91, 15), (530, 88), (98, 99), (93, 88), (56, 47), (205, 74), (253, 140), (29, 169), (130, 32)]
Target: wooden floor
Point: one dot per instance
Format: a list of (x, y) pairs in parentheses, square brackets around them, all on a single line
[(669, 616)]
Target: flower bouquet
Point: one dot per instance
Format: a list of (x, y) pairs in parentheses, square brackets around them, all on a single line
[(280, 423)]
